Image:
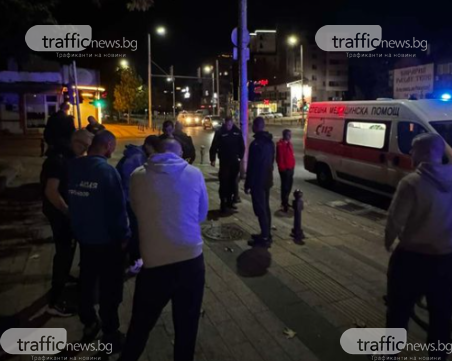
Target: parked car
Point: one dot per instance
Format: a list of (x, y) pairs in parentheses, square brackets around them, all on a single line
[(278, 115), (267, 115), (212, 122)]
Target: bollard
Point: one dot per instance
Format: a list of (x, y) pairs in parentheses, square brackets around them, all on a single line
[(297, 231), (202, 154)]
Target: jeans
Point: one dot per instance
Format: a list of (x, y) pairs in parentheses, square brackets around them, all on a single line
[(183, 284), (64, 253), (102, 267), (228, 180), (286, 185), (412, 275), (261, 206)]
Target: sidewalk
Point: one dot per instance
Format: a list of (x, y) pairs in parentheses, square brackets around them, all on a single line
[(123, 131), (334, 282)]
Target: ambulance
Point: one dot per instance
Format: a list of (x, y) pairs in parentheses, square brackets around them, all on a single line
[(367, 143)]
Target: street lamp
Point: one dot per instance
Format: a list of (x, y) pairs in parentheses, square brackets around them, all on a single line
[(124, 64), (160, 31), (293, 40), (215, 101)]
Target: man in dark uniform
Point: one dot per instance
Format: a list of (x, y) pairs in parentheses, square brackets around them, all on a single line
[(59, 130), (259, 180), (229, 145)]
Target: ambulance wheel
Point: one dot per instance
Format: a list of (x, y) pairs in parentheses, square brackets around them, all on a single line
[(324, 176)]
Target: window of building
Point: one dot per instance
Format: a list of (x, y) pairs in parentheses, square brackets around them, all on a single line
[(366, 134), (314, 67), (314, 56), (35, 110), (406, 132), (314, 99), (335, 62), (314, 78)]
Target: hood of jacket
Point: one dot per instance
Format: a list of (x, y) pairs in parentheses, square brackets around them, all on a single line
[(438, 174), (167, 163), (263, 136), (132, 150)]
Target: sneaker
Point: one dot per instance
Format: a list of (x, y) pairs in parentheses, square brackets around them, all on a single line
[(136, 267), (256, 236), (90, 332), (60, 310), (116, 339), (232, 206), (237, 200)]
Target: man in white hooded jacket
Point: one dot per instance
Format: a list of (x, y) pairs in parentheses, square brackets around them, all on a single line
[(421, 217), (170, 200)]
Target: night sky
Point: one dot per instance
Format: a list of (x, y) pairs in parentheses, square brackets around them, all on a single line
[(200, 29)]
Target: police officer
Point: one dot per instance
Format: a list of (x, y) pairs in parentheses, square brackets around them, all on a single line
[(229, 145)]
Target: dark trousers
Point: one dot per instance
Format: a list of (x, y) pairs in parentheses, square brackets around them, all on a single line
[(412, 275), (64, 253), (102, 267), (133, 245), (261, 207), (228, 179), (286, 185), (183, 284)]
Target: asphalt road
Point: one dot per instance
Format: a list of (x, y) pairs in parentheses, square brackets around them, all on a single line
[(303, 180)]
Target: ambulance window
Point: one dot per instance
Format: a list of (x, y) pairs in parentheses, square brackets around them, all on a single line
[(406, 133), (372, 135)]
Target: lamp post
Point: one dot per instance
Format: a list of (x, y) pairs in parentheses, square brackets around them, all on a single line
[(293, 41), (209, 69), (160, 31)]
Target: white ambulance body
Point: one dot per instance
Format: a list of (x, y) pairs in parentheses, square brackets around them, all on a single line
[(367, 143)]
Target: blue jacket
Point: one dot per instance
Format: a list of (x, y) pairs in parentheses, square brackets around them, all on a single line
[(97, 206), (134, 157)]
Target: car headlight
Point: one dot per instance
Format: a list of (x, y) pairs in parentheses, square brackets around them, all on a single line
[(214, 123), (197, 120)]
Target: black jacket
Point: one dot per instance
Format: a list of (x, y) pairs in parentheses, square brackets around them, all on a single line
[(259, 174), (228, 145), (188, 148), (58, 132)]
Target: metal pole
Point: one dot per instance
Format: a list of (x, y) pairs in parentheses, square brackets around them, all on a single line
[(77, 99), (217, 67), (302, 76), (243, 79), (149, 83), (213, 92)]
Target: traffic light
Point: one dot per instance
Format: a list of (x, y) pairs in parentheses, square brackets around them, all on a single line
[(98, 103)]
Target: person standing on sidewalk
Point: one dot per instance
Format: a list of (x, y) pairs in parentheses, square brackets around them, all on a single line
[(259, 180), (59, 130), (188, 148), (54, 181), (94, 126), (421, 217), (133, 158), (99, 220), (228, 144), (171, 247), (285, 159)]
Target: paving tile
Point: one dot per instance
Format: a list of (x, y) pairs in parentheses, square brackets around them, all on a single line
[(246, 352), (231, 333)]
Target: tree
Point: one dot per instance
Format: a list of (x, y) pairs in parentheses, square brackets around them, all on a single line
[(128, 92)]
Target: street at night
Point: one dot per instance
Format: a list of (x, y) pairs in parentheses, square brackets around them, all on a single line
[(225, 181)]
